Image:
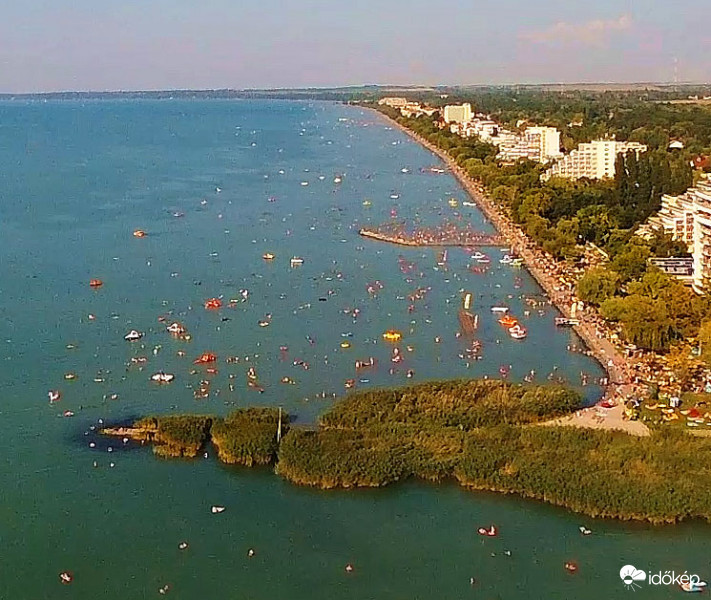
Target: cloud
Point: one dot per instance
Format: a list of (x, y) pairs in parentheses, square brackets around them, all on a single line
[(592, 33)]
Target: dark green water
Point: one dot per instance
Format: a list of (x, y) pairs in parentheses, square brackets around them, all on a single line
[(75, 181)]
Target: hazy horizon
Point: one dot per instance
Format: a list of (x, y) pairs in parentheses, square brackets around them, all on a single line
[(159, 45)]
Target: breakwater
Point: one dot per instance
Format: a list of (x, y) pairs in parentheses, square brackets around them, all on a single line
[(417, 239)]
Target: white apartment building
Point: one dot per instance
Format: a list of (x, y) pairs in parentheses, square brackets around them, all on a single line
[(676, 217), (688, 218), (458, 113), (548, 139), (594, 160), (540, 144), (702, 237), (393, 101)]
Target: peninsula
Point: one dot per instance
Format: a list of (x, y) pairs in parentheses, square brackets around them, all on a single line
[(477, 432)]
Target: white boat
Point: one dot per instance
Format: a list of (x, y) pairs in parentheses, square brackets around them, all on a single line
[(304, 183), (506, 260), (176, 328), (465, 203), (517, 332), (162, 377), (404, 170), (394, 196), (133, 335), (296, 261), (337, 179), (478, 255), (499, 309), (217, 509)]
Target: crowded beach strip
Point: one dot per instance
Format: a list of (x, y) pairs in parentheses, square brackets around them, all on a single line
[(619, 382)]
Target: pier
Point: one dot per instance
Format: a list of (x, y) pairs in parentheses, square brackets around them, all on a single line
[(433, 237)]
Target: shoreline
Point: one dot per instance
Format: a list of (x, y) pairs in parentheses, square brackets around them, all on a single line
[(604, 352)]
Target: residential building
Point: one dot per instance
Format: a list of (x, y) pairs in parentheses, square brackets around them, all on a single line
[(393, 101), (688, 218), (548, 139), (540, 144), (675, 217), (458, 113), (594, 160)]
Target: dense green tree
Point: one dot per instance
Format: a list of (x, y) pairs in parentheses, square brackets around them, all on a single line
[(597, 285)]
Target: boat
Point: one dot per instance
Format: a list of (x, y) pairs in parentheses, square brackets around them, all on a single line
[(508, 321), (176, 328), (490, 532), (367, 202), (394, 196), (453, 202), (337, 179), (96, 283), (66, 577), (506, 260), (584, 530), (345, 345), (471, 204), (204, 358), (485, 260), (404, 170), (296, 261), (499, 309), (139, 233), (304, 183), (565, 322), (468, 321), (133, 335), (477, 255), (268, 256), (213, 304), (391, 335), (693, 586), (517, 262), (517, 332), (162, 377), (54, 395), (264, 323), (217, 509)]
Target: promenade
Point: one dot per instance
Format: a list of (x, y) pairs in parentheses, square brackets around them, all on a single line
[(550, 274)]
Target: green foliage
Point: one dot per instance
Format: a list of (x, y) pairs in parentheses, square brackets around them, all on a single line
[(597, 285), (461, 403), (176, 435), (248, 436), (631, 261), (601, 473)]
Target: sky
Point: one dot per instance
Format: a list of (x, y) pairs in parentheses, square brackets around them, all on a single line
[(53, 45)]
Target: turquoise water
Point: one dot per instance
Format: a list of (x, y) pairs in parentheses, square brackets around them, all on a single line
[(75, 180)]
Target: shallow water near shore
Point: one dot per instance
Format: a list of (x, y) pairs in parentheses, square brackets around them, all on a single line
[(77, 179)]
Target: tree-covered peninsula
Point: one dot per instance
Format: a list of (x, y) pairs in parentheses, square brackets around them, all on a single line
[(487, 435)]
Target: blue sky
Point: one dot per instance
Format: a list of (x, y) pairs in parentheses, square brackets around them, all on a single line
[(158, 44)]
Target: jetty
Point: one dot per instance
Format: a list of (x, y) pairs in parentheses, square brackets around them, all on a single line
[(433, 237)]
